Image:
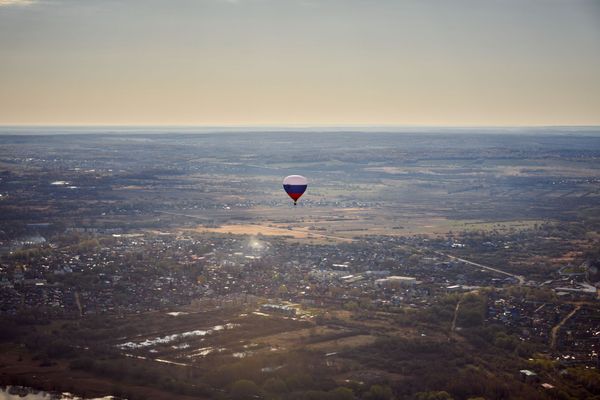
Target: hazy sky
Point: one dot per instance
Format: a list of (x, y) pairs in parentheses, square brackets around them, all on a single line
[(300, 62)]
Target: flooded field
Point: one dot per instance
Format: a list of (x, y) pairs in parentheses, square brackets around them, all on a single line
[(237, 336), (176, 337), (26, 393)]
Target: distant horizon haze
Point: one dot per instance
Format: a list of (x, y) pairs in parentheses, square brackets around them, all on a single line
[(185, 129)]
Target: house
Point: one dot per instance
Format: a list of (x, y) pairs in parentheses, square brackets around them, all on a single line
[(528, 376)]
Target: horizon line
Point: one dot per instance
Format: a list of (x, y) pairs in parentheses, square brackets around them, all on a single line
[(290, 126)]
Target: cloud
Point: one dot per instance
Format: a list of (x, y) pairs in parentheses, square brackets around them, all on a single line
[(16, 2)]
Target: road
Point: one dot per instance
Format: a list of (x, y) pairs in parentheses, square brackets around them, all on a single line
[(556, 329), (456, 309), (520, 278)]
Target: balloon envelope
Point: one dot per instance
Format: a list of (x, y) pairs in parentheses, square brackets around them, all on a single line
[(295, 186)]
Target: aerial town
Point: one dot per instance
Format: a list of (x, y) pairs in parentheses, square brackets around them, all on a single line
[(204, 276)]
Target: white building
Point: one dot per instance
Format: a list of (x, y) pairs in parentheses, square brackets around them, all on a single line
[(397, 281)]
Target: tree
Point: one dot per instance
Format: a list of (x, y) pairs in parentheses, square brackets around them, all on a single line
[(378, 392), (275, 385), (282, 291), (341, 393), (244, 389), (433, 396)]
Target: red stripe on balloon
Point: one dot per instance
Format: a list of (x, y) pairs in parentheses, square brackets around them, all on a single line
[(295, 196)]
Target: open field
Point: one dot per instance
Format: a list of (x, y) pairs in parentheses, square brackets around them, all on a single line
[(346, 229), (337, 345), (252, 229)]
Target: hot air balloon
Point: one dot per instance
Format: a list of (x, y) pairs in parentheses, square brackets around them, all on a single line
[(295, 186)]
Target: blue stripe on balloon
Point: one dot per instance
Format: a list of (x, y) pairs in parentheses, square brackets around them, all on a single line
[(295, 188)]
